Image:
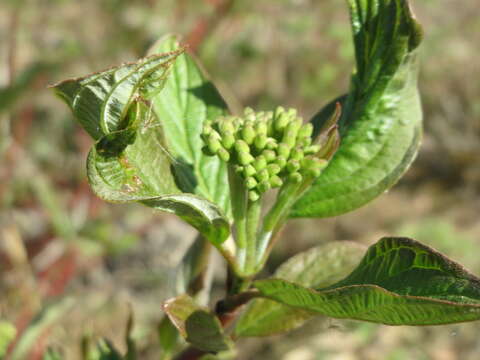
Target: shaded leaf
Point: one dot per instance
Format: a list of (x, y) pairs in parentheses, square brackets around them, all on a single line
[(192, 273), (187, 100), (197, 325), (398, 282), (318, 267), (380, 126), (168, 337)]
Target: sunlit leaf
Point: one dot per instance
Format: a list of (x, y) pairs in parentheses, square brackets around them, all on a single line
[(398, 282), (187, 100), (130, 161), (317, 267), (380, 127)]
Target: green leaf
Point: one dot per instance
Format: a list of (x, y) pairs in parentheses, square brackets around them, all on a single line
[(187, 100), (399, 282), (317, 267), (168, 337), (101, 101), (380, 126), (197, 325), (130, 161)]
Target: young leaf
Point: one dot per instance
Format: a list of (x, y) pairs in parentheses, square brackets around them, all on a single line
[(187, 100), (317, 267), (100, 101), (398, 282), (380, 126), (197, 325)]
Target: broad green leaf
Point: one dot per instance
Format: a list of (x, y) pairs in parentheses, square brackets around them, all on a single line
[(130, 161), (197, 325), (380, 127), (7, 335), (398, 282), (317, 267), (186, 101)]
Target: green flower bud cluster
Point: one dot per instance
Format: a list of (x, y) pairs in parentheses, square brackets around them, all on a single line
[(267, 149)]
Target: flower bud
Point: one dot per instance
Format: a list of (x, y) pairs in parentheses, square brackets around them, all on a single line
[(281, 121), (249, 114), (250, 183), (213, 142), (313, 167), (260, 163), (295, 177), (269, 155), (248, 134), (275, 181), (245, 158), (312, 149), (253, 196), (228, 140), (223, 154), (249, 171), (271, 144), (293, 166), (260, 141), (241, 147), (305, 131), (297, 154), (263, 175), (264, 186), (283, 150), (273, 169), (281, 161), (261, 127)]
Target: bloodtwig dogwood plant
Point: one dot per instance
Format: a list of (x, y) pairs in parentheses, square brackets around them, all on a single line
[(164, 137)]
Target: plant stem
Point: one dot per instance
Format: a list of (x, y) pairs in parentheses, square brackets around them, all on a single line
[(254, 210), (274, 219), (238, 198)]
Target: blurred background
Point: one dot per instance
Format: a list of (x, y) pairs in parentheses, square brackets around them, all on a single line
[(71, 264)]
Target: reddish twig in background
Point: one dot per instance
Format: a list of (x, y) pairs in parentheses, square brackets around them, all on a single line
[(205, 26)]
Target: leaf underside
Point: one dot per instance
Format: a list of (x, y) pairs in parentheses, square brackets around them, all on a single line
[(196, 324), (398, 282), (381, 124), (318, 267), (131, 161)]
